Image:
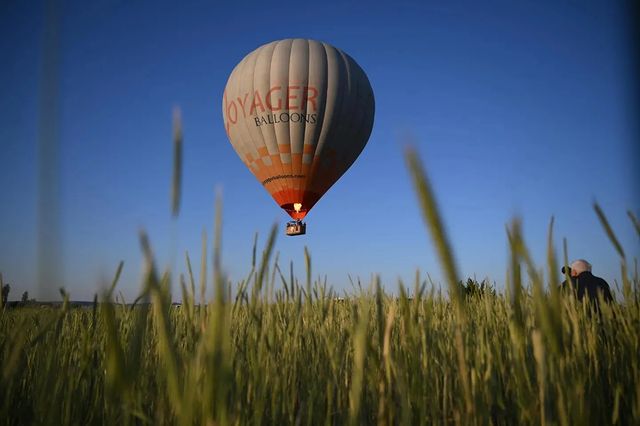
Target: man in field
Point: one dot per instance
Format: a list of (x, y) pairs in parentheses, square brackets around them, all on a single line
[(586, 284)]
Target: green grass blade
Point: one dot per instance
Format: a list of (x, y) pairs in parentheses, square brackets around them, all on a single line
[(431, 216), (634, 221), (607, 228), (176, 182)]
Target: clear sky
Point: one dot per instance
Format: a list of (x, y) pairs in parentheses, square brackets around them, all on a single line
[(516, 108)]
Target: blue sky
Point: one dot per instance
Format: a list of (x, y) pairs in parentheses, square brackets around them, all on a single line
[(516, 108)]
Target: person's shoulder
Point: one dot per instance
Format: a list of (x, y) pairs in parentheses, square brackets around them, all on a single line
[(601, 281)]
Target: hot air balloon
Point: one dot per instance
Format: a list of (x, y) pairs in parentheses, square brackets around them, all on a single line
[(298, 113)]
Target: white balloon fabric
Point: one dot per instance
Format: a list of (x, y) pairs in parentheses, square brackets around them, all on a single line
[(298, 113)]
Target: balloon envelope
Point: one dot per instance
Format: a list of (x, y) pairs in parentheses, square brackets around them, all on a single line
[(298, 113)]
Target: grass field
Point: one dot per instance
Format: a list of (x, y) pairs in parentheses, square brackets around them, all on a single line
[(274, 349)]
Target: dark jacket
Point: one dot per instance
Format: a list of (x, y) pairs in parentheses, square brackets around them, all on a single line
[(587, 284), (565, 286)]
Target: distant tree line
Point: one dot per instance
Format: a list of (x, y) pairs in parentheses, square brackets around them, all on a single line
[(6, 288), (4, 301), (473, 288)]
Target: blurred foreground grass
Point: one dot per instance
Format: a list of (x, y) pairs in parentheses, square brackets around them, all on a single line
[(275, 350)]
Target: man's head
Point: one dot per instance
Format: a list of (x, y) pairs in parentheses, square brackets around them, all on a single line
[(579, 266)]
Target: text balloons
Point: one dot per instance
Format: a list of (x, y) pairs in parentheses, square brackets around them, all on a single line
[(298, 113)]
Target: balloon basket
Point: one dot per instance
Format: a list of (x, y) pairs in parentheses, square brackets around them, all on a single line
[(296, 228)]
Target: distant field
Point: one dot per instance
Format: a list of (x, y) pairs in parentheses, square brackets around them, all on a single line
[(280, 350)]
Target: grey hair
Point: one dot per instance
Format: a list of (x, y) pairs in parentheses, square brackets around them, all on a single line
[(580, 266)]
